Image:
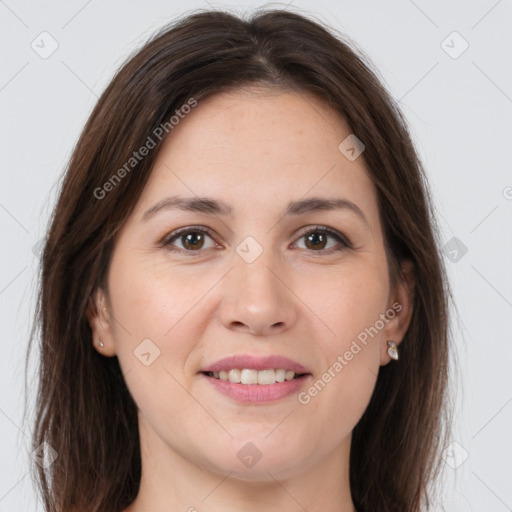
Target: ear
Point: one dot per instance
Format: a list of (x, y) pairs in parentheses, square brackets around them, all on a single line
[(100, 321), (399, 309)]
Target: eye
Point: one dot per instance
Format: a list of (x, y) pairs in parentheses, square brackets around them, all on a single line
[(192, 239), (316, 239)]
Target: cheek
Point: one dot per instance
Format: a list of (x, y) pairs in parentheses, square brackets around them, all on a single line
[(349, 304), (153, 299), (151, 328), (154, 335), (348, 301)]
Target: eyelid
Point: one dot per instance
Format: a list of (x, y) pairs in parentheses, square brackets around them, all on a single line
[(166, 242), (324, 229)]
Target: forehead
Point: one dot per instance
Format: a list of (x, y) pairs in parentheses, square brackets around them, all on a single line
[(259, 144)]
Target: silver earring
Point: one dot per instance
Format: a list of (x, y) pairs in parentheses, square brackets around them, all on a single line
[(100, 343), (393, 350)]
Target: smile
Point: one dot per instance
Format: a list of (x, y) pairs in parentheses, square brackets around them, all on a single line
[(249, 376), (253, 392)]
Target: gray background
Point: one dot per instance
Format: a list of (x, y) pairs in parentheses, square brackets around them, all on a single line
[(459, 106)]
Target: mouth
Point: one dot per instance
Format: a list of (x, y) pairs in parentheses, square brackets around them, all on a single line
[(256, 387), (250, 376), (256, 379)]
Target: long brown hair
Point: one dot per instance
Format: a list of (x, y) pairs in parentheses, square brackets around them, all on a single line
[(84, 410)]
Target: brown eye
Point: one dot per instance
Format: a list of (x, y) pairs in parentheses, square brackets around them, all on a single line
[(317, 239), (191, 240)]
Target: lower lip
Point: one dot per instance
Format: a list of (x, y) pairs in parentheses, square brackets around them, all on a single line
[(257, 393)]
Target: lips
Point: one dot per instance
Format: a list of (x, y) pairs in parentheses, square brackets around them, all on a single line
[(245, 361), (256, 379)]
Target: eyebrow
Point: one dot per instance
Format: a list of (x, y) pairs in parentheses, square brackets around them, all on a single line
[(216, 207)]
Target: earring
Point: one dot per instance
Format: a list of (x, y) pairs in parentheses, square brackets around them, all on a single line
[(393, 350), (100, 343)]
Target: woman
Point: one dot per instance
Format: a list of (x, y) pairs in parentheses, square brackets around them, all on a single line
[(242, 303)]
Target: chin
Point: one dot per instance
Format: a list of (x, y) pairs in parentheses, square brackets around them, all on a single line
[(251, 463)]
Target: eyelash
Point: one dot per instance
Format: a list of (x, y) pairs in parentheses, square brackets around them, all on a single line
[(345, 244)]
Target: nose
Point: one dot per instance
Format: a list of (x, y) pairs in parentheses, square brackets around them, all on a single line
[(257, 299)]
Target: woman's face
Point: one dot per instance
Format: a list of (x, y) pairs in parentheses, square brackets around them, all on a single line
[(253, 276)]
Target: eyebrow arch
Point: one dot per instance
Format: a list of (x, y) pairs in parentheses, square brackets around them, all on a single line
[(216, 207)]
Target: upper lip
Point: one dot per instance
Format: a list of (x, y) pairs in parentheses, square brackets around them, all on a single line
[(241, 361)]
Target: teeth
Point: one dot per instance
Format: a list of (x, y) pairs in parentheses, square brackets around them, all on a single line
[(247, 376), (234, 375), (267, 377)]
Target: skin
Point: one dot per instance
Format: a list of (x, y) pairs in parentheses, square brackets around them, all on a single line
[(255, 150)]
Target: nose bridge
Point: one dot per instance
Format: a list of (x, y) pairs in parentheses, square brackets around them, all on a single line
[(256, 297), (254, 273)]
